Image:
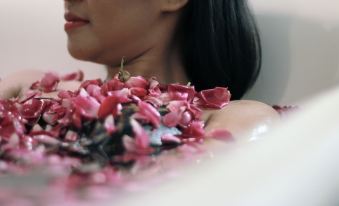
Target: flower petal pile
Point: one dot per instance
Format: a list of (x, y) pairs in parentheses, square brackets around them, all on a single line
[(107, 123)]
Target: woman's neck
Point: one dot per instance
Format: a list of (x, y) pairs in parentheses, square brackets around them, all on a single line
[(161, 60), (154, 64)]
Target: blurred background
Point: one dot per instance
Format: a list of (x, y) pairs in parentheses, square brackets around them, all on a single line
[(300, 41)]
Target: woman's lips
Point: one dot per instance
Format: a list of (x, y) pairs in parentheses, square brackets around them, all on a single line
[(73, 21)]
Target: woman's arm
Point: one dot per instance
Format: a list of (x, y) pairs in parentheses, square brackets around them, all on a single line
[(243, 116), (14, 84), (17, 83)]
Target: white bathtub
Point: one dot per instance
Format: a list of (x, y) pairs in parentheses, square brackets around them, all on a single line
[(295, 164)]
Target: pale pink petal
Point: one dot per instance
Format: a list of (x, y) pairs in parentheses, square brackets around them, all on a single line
[(74, 76), (49, 82), (171, 119), (138, 81), (181, 92), (86, 105), (220, 134), (141, 137), (110, 124), (149, 113), (170, 139), (71, 136)]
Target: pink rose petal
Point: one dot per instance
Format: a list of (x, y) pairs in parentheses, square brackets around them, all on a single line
[(86, 105), (214, 98)]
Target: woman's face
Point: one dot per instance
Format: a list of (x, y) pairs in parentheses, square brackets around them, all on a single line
[(114, 28)]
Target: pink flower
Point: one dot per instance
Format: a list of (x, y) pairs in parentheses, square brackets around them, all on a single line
[(215, 98)]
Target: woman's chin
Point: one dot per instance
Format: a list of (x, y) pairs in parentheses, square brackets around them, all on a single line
[(81, 54)]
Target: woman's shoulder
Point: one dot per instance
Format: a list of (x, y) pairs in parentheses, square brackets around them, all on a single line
[(242, 116), (13, 83)]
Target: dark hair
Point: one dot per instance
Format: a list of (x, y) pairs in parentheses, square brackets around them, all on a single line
[(220, 45)]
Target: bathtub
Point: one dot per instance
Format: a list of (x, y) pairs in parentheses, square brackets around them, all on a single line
[(296, 163)]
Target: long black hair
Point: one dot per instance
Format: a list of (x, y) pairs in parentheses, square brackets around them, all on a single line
[(220, 45)]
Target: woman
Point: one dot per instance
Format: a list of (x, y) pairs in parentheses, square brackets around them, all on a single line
[(207, 42)]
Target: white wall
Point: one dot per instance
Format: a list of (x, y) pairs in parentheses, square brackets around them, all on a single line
[(300, 44), (32, 37), (300, 49)]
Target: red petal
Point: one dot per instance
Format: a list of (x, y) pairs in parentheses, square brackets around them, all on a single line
[(149, 113), (194, 130), (86, 105), (138, 82), (95, 91), (181, 92), (49, 82), (110, 105), (214, 98), (112, 85), (32, 109), (86, 83), (171, 119), (122, 95), (74, 76), (139, 92)]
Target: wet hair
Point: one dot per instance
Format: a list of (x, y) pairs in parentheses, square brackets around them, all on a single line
[(220, 45)]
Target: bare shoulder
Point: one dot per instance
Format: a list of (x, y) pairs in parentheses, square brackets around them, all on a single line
[(241, 116), (12, 84)]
